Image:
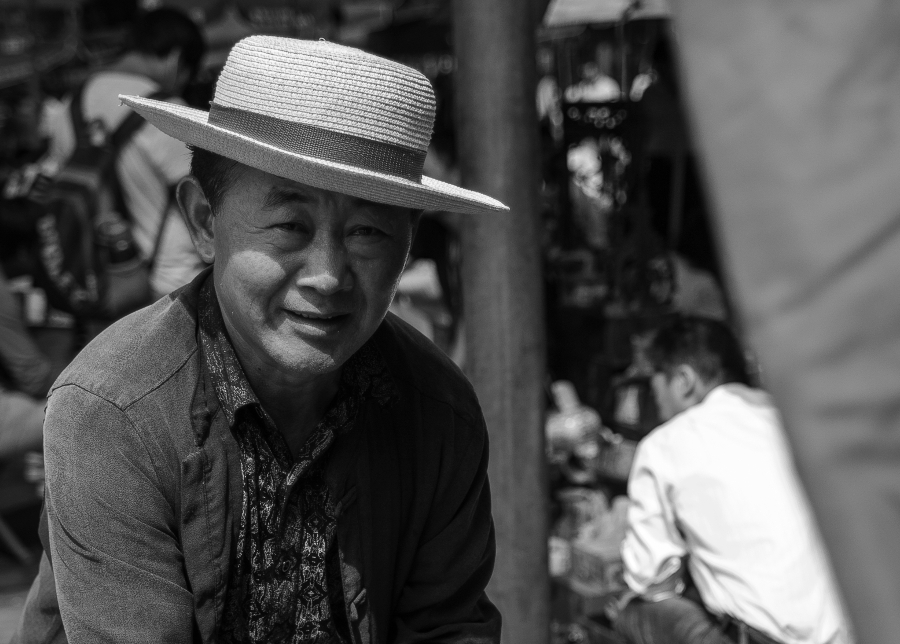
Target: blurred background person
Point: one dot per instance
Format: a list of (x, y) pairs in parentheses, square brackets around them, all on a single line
[(164, 54), (721, 545)]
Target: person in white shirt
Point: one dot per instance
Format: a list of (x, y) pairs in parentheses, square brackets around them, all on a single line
[(165, 51), (717, 507)]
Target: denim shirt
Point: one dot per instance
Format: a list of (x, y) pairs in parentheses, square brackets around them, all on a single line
[(144, 495)]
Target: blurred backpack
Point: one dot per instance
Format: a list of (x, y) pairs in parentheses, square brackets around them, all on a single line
[(88, 262)]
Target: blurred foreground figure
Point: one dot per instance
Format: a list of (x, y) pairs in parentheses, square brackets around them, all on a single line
[(716, 502), (797, 109), (266, 456), (165, 53)]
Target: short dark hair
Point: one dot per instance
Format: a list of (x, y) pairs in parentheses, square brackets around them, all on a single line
[(707, 345), (214, 173), (160, 31)]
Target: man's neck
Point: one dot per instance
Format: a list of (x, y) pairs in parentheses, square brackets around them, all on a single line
[(295, 402), (295, 406), (703, 390)]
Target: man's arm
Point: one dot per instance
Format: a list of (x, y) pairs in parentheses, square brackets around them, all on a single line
[(29, 369), (653, 548), (444, 599), (113, 542)]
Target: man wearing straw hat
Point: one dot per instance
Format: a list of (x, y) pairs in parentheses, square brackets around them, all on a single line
[(264, 455)]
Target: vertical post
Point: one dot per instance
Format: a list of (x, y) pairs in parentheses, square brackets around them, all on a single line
[(502, 291)]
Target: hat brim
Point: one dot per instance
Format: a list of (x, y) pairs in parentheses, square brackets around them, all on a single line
[(192, 127)]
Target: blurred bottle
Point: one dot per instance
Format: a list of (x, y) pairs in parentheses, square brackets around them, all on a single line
[(573, 425), (36, 307), (580, 507)]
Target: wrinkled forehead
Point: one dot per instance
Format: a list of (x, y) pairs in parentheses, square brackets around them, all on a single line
[(271, 192), (291, 193)]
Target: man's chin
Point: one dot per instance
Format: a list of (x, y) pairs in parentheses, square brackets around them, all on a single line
[(300, 349), (314, 359)]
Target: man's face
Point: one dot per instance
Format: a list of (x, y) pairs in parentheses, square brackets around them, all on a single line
[(304, 276)]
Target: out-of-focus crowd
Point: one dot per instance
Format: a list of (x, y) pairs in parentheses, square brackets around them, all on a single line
[(134, 168)]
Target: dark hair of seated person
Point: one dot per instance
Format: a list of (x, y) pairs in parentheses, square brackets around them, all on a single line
[(160, 31), (706, 345)]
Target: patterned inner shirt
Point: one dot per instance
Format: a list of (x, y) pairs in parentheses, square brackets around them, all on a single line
[(285, 583)]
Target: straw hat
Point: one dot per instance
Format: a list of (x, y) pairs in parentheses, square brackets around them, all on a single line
[(324, 115)]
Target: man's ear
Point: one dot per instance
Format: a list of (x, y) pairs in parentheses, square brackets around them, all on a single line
[(198, 216), (692, 387), (685, 381)]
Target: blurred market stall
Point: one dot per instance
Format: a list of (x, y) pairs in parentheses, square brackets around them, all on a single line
[(544, 309)]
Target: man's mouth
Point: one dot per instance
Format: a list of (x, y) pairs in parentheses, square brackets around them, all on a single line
[(320, 316), (322, 322)]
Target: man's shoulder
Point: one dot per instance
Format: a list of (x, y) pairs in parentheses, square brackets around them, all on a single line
[(419, 366), (140, 352), (735, 406), (728, 407), (679, 434), (666, 438), (740, 395)]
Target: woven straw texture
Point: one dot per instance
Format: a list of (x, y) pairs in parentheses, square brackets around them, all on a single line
[(335, 87), (327, 86)]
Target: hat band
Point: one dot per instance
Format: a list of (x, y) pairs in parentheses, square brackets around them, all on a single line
[(320, 143)]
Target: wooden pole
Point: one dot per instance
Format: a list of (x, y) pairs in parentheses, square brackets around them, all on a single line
[(502, 294)]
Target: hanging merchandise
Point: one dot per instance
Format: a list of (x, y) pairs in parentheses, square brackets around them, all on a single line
[(580, 12), (36, 36), (306, 20)]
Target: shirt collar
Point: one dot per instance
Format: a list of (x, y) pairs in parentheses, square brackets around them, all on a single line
[(364, 375)]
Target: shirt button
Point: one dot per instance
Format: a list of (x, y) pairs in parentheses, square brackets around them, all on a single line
[(285, 565)]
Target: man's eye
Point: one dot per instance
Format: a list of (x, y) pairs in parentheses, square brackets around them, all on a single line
[(287, 226), (366, 231)]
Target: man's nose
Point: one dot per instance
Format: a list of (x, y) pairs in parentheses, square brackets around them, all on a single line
[(325, 268)]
